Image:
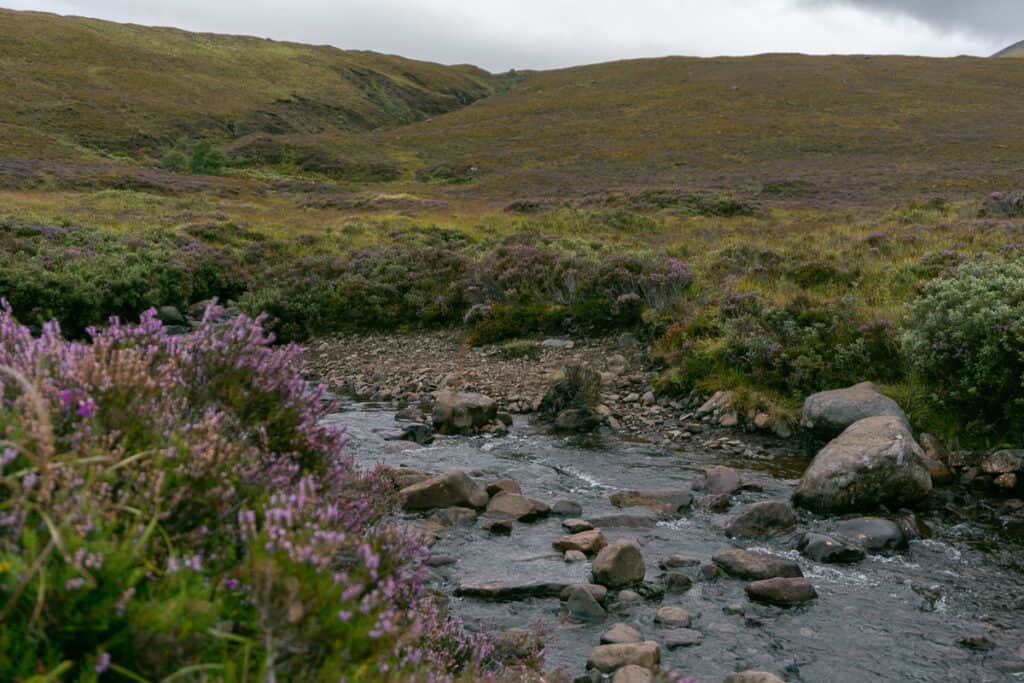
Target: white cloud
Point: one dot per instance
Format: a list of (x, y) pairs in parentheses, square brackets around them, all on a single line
[(553, 33)]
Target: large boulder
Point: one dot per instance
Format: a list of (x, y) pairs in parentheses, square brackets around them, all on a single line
[(451, 489), (828, 413), (874, 462), (761, 520), (1004, 462), (463, 413), (619, 565)]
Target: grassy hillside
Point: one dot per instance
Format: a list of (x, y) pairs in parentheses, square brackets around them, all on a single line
[(850, 126), (1015, 50), (82, 87)]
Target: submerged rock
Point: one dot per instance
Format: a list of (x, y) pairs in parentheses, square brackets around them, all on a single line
[(873, 534), (672, 617), (682, 637), (511, 590), (665, 501), (829, 413), (829, 550), (610, 658), (621, 633), (874, 462)]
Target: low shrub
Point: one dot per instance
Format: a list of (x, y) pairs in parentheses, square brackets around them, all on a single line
[(965, 341), (172, 507)]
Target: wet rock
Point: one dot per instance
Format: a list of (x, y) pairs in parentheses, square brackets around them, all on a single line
[(405, 477), (628, 597), (977, 641), (582, 606), (1007, 481), (463, 413), (574, 556), (418, 433), (454, 488), (753, 677), (710, 572), (510, 591), (873, 534), (577, 420), (619, 565), (829, 550), (589, 677), (829, 413), (518, 507), (717, 503), (587, 542), (935, 459), (677, 582), (566, 508), (667, 502), (720, 481), (499, 527), (632, 674), (673, 617), (682, 637), (621, 633), (626, 521), (743, 564), (577, 526), (678, 562), (610, 658), (760, 520), (455, 516), (503, 486), (600, 593), (734, 609), (782, 592), (505, 418), (410, 414), (912, 526), (518, 645), (874, 462), (1003, 462), (427, 529)]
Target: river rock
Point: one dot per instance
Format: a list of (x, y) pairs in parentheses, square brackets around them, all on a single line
[(566, 508), (829, 550), (677, 582), (874, 462), (619, 565), (760, 520), (621, 633), (1003, 462), (935, 458), (463, 413), (600, 593), (829, 413), (873, 534), (503, 486), (518, 645), (577, 526), (720, 480), (667, 502), (577, 420), (679, 561), (782, 592), (753, 677), (610, 658), (682, 637), (743, 564), (574, 556), (410, 414), (405, 477), (672, 617), (455, 516), (582, 606), (508, 591), (632, 674), (499, 527), (417, 432), (626, 521), (518, 507), (451, 489), (587, 542)]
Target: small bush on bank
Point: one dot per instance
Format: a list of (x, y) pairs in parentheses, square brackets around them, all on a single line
[(965, 341), (172, 506)]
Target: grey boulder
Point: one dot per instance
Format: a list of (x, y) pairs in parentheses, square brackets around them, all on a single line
[(828, 413)]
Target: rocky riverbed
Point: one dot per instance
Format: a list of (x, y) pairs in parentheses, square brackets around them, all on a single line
[(667, 540)]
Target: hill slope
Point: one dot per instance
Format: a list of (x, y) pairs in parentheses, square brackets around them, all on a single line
[(68, 83), (1015, 50)]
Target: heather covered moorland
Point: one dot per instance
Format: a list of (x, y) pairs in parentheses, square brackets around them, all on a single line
[(173, 505)]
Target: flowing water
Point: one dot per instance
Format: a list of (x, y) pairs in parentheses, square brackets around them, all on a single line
[(895, 617)]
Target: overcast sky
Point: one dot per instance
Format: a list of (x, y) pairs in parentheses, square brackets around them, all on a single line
[(504, 34)]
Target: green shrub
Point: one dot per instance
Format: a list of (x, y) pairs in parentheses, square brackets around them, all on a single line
[(206, 160), (174, 161), (514, 350), (966, 341), (515, 321)]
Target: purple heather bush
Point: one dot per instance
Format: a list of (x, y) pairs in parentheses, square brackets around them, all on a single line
[(174, 505)]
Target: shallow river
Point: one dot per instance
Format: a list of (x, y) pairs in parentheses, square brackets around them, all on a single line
[(896, 617)]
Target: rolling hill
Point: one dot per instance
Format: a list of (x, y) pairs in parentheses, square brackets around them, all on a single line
[(1015, 50)]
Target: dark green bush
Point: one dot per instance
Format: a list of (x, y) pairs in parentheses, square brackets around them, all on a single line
[(206, 160), (965, 341), (515, 321)]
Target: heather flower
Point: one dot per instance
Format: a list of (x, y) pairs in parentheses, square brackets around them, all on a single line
[(103, 663)]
